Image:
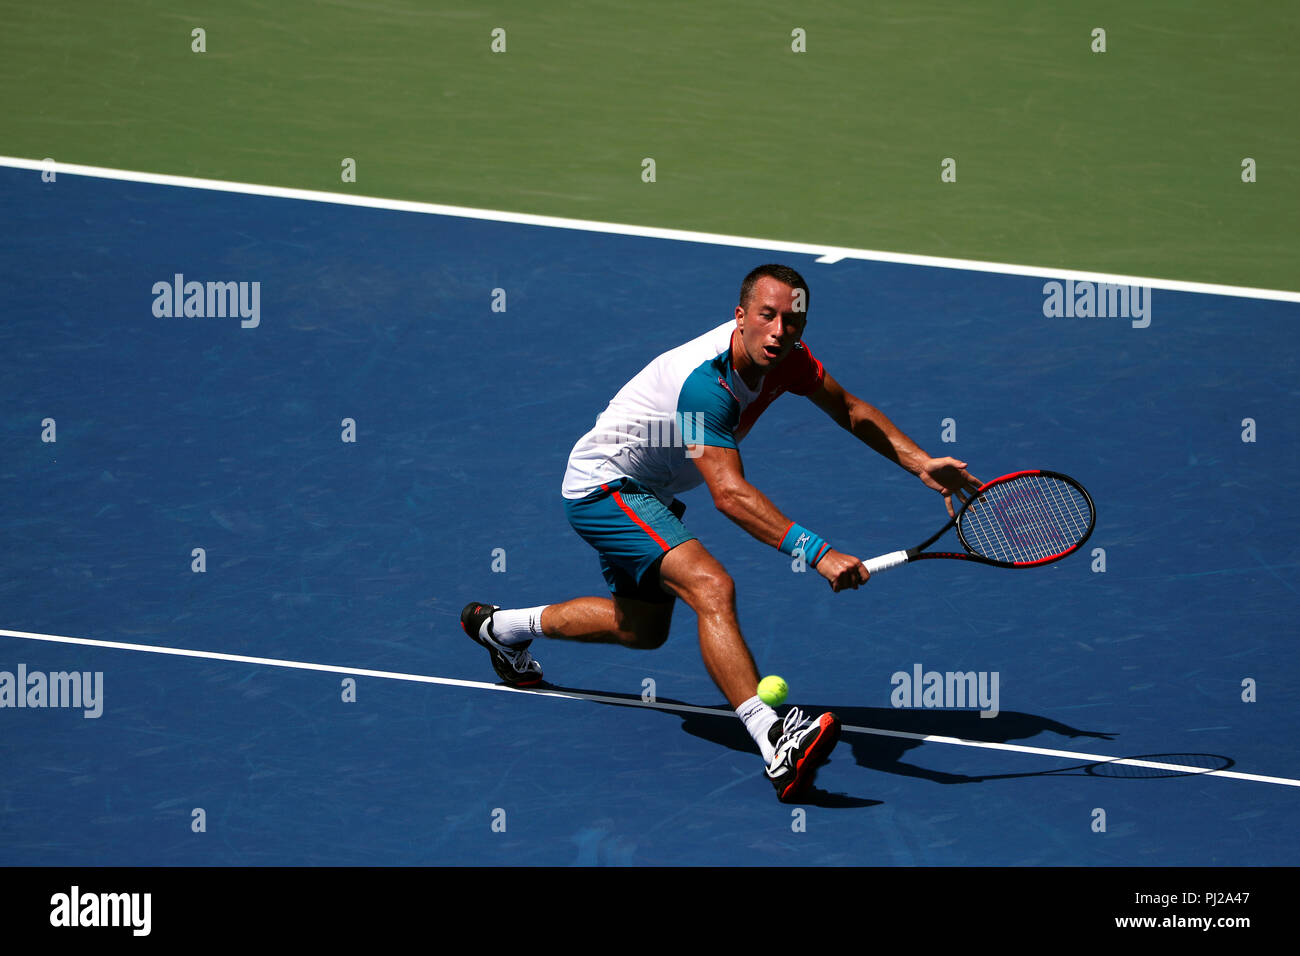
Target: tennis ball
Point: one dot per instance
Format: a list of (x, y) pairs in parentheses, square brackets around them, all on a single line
[(772, 690)]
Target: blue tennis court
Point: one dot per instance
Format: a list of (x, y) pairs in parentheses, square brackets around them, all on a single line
[(383, 446)]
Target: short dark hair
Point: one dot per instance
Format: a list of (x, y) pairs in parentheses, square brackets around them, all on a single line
[(781, 274)]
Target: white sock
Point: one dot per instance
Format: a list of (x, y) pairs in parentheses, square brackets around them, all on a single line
[(517, 626), (758, 719)]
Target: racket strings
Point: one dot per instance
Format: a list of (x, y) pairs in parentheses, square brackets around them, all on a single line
[(1028, 518)]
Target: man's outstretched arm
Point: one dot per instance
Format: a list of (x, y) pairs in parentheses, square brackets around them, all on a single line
[(871, 426), (748, 507)]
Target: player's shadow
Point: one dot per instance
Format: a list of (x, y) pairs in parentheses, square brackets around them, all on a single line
[(717, 729), (886, 751), (883, 736)]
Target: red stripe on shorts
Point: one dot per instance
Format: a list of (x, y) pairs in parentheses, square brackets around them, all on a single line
[(618, 498)]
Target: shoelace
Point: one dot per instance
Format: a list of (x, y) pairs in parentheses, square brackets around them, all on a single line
[(794, 722), (519, 657)]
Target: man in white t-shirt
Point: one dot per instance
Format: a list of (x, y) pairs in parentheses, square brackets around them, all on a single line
[(675, 425)]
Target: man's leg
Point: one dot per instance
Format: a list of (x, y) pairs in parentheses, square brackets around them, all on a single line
[(649, 559), (794, 748), (618, 620), (687, 571), (697, 577), (631, 530), (694, 575)]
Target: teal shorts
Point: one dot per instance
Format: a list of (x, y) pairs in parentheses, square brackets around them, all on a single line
[(631, 530)]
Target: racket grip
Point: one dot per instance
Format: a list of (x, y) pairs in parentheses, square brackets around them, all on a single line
[(886, 561)]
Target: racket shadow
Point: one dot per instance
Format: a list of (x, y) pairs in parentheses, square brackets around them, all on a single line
[(1139, 767), (888, 754)]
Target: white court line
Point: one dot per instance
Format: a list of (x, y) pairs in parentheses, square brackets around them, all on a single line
[(630, 702), (825, 253)]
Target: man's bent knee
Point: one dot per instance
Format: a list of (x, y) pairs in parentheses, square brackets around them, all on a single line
[(645, 638), (700, 580), (642, 626), (709, 591)]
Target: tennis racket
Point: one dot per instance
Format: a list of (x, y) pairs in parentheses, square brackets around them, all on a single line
[(1020, 520)]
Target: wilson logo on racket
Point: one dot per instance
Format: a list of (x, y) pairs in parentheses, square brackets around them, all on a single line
[(1020, 520)]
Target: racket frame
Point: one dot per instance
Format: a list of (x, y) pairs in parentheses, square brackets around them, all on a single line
[(895, 558)]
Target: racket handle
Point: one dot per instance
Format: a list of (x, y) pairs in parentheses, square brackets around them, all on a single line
[(886, 561)]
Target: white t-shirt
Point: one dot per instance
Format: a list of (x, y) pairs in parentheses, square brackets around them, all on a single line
[(690, 395)]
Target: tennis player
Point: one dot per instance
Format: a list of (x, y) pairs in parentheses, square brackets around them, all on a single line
[(676, 424)]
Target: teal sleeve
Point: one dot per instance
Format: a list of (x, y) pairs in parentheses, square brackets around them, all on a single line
[(706, 410)]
